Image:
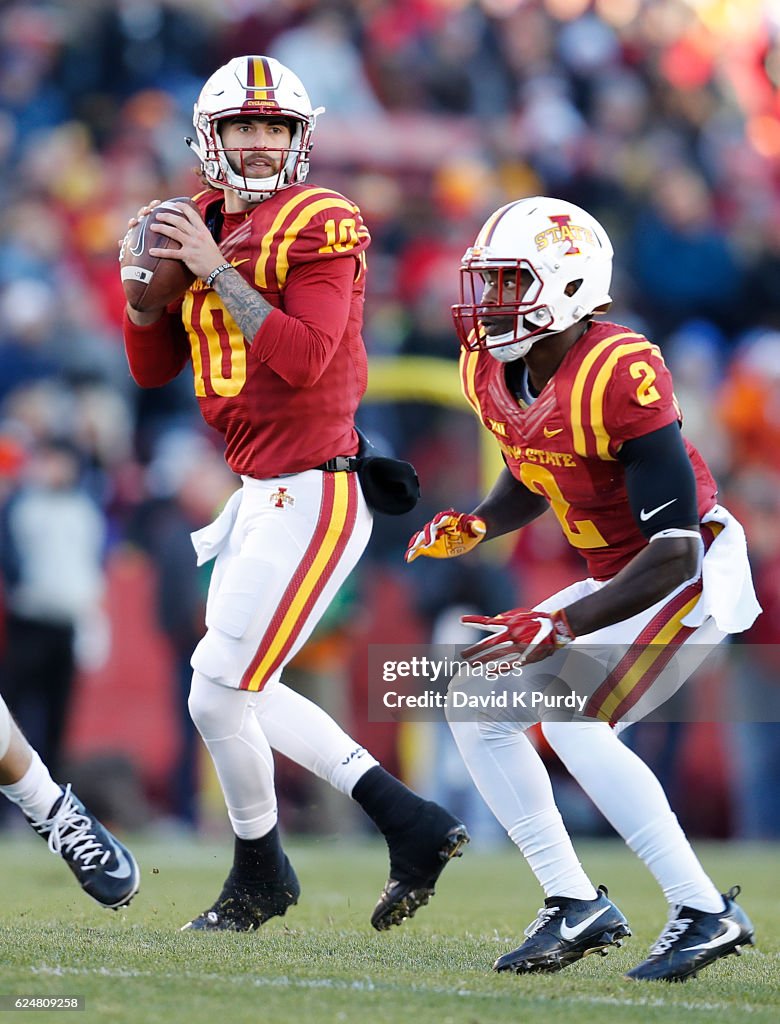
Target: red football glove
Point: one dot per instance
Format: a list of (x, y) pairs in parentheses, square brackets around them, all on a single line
[(447, 535), (530, 635)]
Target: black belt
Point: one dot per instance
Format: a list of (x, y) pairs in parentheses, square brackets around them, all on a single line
[(340, 464)]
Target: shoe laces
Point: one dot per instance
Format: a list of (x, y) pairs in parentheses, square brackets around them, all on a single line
[(71, 834), (676, 927), (543, 916)]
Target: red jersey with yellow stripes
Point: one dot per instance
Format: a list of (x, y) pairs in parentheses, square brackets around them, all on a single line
[(284, 400), (612, 386)]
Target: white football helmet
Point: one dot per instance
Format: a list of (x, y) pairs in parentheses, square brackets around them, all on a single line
[(567, 253), (260, 87)]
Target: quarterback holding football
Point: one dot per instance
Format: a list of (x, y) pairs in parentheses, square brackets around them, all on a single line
[(270, 324), (587, 423)]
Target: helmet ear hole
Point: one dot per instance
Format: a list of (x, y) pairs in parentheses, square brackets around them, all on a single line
[(573, 287)]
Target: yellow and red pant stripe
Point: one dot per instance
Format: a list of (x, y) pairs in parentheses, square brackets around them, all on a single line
[(647, 657), (650, 653), (335, 523)]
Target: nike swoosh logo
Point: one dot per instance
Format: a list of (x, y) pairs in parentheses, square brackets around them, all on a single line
[(644, 516), (732, 932), (124, 868), (552, 433), (237, 263), (568, 933), (138, 248)]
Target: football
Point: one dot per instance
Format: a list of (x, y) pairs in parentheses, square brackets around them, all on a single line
[(151, 282)]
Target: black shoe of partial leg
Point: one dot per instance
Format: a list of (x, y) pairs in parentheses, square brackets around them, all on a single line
[(106, 869), (693, 939), (244, 907), (565, 931), (418, 855)]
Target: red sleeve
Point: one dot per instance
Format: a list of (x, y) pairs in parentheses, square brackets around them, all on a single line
[(297, 343), (158, 352)]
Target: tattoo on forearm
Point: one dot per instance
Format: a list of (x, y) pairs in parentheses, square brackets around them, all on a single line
[(247, 307)]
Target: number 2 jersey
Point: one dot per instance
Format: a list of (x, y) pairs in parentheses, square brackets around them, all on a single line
[(285, 399), (612, 386)]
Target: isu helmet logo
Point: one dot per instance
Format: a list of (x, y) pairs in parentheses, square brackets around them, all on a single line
[(280, 498), (564, 231)]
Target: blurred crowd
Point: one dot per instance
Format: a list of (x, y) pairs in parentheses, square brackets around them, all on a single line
[(661, 117)]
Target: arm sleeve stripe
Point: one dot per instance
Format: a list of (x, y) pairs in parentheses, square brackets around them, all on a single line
[(271, 235), (302, 219), (580, 382), (599, 387)]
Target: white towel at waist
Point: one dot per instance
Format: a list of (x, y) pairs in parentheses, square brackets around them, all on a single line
[(209, 541), (727, 585)]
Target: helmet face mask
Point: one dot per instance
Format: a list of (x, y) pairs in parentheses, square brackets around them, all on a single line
[(253, 87), (479, 322), (563, 253), (241, 154)]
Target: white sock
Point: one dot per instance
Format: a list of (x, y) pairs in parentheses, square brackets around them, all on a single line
[(514, 783), (632, 800), (242, 756), (36, 792), (302, 731), (662, 845)]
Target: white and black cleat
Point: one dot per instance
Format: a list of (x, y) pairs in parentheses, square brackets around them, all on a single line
[(106, 870), (564, 931), (693, 939)]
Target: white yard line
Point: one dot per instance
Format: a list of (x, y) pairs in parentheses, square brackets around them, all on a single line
[(366, 985)]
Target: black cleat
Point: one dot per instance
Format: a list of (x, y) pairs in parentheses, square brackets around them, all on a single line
[(242, 907), (565, 931), (693, 939), (105, 869), (418, 856)]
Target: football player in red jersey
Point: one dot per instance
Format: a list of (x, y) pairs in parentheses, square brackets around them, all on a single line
[(105, 869), (585, 416), (271, 326)]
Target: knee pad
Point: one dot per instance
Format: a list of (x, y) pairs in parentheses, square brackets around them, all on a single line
[(220, 658), (5, 728), (217, 711)]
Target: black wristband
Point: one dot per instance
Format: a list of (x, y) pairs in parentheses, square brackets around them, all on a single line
[(216, 272)]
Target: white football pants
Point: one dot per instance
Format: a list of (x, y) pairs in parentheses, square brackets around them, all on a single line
[(283, 547), (514, 782)]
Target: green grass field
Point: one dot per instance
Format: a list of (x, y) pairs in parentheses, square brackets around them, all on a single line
[(323, 962)]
